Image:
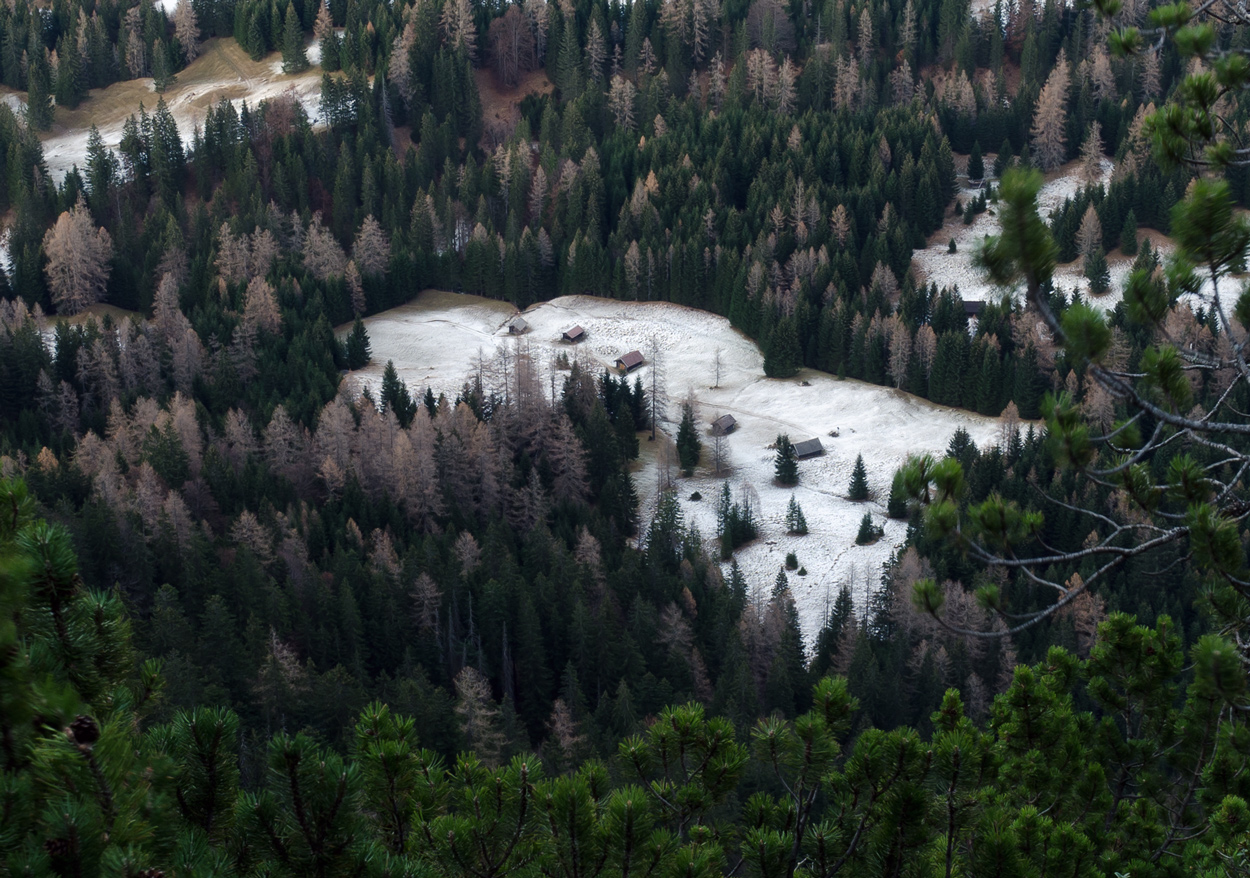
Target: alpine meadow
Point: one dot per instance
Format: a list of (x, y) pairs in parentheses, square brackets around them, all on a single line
[(601, 439)]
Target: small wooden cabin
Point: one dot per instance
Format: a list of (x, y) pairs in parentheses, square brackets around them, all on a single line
[(973, 309), (724, 425), (629, 362), (808, 448), (518, 326), (575, 334)]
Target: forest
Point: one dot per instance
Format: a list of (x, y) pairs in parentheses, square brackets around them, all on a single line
[(253, 622)]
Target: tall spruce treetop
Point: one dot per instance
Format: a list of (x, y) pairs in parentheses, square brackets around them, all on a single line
[(858, 490), (294, 57), (786, 464)]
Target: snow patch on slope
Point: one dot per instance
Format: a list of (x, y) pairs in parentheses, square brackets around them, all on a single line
[(440, 338)]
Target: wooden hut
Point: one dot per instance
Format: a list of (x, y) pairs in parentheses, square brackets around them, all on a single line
[(518, 326), (575, 334), (808, 448), (724, 425), (629, 362)]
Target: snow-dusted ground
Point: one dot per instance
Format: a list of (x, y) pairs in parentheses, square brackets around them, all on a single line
[(223, 71), (936, 264), (438, 339)]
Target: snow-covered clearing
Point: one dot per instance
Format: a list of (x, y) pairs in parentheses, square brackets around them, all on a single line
[(223, 70), (937, 265), (439, 338)]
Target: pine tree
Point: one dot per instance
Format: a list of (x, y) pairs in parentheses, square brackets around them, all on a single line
[(795, 522), (356, 349), (868, 532), (162, 74), (689, 446), (1096, 272), (785, 356), (976, 164), (786, 464), (858, 490), (294, 58), (395, 397), (328, 39), (1002, 161), (1128, 234), (39, 92), (896, 506)]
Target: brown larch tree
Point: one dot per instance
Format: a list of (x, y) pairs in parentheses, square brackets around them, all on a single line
[(323, 255), (187, 30), (1049, 118), (371, 250), (78, 259)]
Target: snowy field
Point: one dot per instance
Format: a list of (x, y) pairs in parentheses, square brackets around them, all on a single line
[(439, 338), (935, 264), (223, 70)]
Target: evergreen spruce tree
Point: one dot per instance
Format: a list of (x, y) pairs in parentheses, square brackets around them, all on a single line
[(785, 356), (395, 396), (356, 348), (162, 71), (1096, 272), (1003, 160), (976, 164), (39, 94), (1128, 234), (896, 506), (858, 490), (796, 523), (786, 464), (868, 532), (294, 58), (689, 446)]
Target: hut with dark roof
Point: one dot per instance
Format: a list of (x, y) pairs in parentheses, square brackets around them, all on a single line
[(629, 362), (575, 334), (808, 448), (724, 425)]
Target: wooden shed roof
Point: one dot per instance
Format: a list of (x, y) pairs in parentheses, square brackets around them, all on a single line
[(808, 448), (574, 333), (629, 361), (724, 424)]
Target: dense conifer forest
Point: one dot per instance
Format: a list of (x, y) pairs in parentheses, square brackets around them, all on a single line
[(252, 622)]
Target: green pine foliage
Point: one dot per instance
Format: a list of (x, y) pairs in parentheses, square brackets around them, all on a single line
[(689, 445), (896, 505), (735, 522), (976, 164), (1097, 273), (868, 532), (784, 357), (294, 57), (796, 523), (301, 560), (1128, 234), (356, 348), (858, 490), (786, 462), (97, 785)]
